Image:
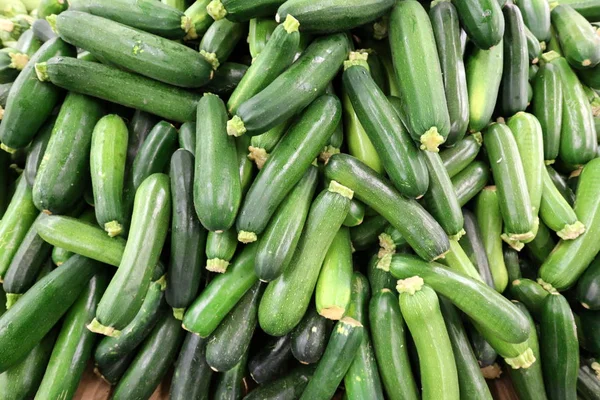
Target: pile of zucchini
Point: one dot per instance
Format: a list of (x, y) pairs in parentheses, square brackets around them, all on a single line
[(269, 199)]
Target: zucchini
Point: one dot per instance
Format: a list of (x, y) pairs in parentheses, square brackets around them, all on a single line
[(60, 255), (11, 63), (33, 316), (356, 214), (192, 375), (30, 102), (220, 248), (262, 145), (217, 186), (121, 87), (36, 152), (272, 360), (421, 310), (74, 344), (219, 41), (560, 348), (485, 354), (562, 185), (533, 70), (144, 53), (511, 260), (473, 245), (414, 51), (146, 15), (446, 29), (226, 78), (296, 87), (470, 181), (588, 286), (587, 325), (334, 285), (343, 345), (228, 344), (41, 28), (543, 243), (480, 302), (534, 49), (309, 338), (127, 289), (108, 154), (589, 77), (187, 236), (482, 20), (417, 226), (458, 260), (152, 361), (516, 355), (290, 386), (187, 137), (277, 55), (588, 383), (260, 31), (246, 166), (484, 75), (232, 384), (199, 20), (536, 15), (286, 166), (4, 91), (140, 125), (459, 156), (399, 156), (529, 293), (366, 234), (578, 39), (112, 373), (515, 73), (221, 295), (49, 7), (286, 298), (548, 107), (241, 10)]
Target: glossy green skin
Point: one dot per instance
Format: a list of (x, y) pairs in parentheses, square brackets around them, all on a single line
[(441, 200), (389, 342), (297, 86), (528, 382), (333, 15), (4, 91), (536, 15), (416, 60), (146, 15), (288, 163), (8, 74), (144, 53), (356, 214), (230, 341), (472, 244), (31, 318), (483, 351), (511, 260), (509, 176), (484, 74), (62, 174), (260, 31), (74, 344), (188, 238), (23, 379), (221, 38), (112, 373), (280, 239), (152, 361), (221, 245), (515, 73), (36, 152), (560, 348), (588, 286), (246, 166), (470, 181), (272, 360), (27, 262), (588, 384), (49, 7), (81, 237), (192, 375), (310, 337), (548, 107), (446, 29), (543, 243), (149, 225), (140, 125), (187, 137), (108, 154), (242, 10), (60, 255), (562, 185), (534, 50), (459, 156), (482, 20), (555, 210), (589, 77), (471, 382), (290, 386), (497, 315), (125, 88), (30, 102), (217, 186), (533, 70), (579, 41), (421, 311), (286, 298), (232, 384), (529, 293), (200, 20), (221, 295), (16, 221), (343, 345), (399, 155), (270, 138), (570, 258), (276, 56), (226, 78), (366, 234)]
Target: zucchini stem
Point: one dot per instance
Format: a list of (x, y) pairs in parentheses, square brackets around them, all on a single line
[(338, 188), (410, 285), (334, 312), (235, 126), (113, 228), (186, 24), (571, 231), (178, 313), (211, 58), (291, 24), (216, 10), (217, 265), (547, 286), (96, 327), (523, 360), (247, 237), (258, 155), (11, 299), (41, 71), (431, 140), (18, 60)]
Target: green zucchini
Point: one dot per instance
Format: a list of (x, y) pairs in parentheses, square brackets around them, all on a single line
[(511, 260), (286, 166), (217, 186), (515, 73), (127, 289), (588, 286), (559, 347), (446, 29), (112, 373), (36, 152), (4, 91), (241, 10), (226, 78), (230, 341), (570, 258), (579, 41), (414, 51), (30, 102), (192, 375), (246, 166), (343, 345), (548, 107), (219, 41), (11, 63), (588, 383), (484, 74), (587, 325), (199, 20), (296, 87), (221, 295), (187, 236), (530, 293), (421, 310), (536, 15), (474, 298), (482, 20), (534, 49), (121, 87), (49, 7), (107, 167), (140, 125), (589, 77), (220, 248), (399, 156), (60, 255), (260, 31), (543, 243), (187, 137), (470, 181), (41, 28), (458, 260), (473, 245), (152, 360), (562, 185), (356, 214), (74, 344), (516, 355), (459, 156), (533, 70), (290, 386), (309, 338), (233, 384), (286, 298), (262, 145), (366, 234), (146, 15), (272, 360), (277, 55), (485, 354)]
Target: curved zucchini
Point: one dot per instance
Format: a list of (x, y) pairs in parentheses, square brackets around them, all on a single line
[(219, 41), (463, 153), (220, 248), (511, 260), (548, 107), (556, 212), (262, 145), (473, 245), (564, 187), (458, 260), (309, 338), (242, 10), (272, 360), (192, 375), (578, 39), (588, 286), (482, 20), (470, 181), (530, 293), (36, 152), (515, 73)]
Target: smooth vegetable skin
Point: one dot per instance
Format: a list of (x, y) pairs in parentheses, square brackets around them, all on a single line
[(515, 73), (272, 360), (482, 20), (578, 39), (242, 10), (219, 41), (470, 181), (547, 107), (309, 338), (260, 31), (199, 20), (588, 286), (290, 386), (473, 245), (192, 375)]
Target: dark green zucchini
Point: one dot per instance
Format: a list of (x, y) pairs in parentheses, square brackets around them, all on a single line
[(548, 107), (241, 10), (246, 166), (473, 245), (187, 137), (459, 156), (192, 375), (470, 181), (485, 354), (220, 248), (534, 50), (536, 15), (309, 338), (233, 384), (542, 245), (515, 73), (140, 125), (366, 234), (511, 261), (588, 286), (588, 382), (529, 293), (36, 152), (226, 78), (562, 185), (578, 39), (272, 360), (588, 323), (482, 20), (260, 31), (220, 40), (289, 386), (4, 91)]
